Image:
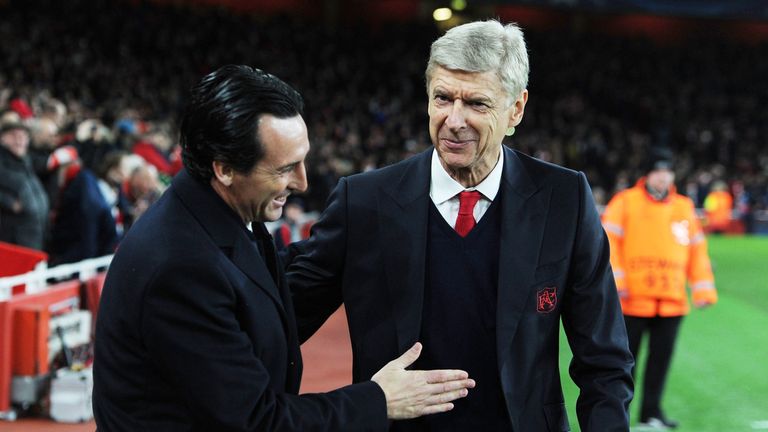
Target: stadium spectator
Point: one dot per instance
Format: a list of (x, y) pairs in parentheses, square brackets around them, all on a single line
[(294, 225), (44, 134), (19, 104), (143, 188), (657, 245), (156, 147), (743, 205), (9, 116), (51, 109), (93, 142), (92, 213), (23, 202)]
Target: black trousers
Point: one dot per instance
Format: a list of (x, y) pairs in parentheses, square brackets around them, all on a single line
[(662, 333)]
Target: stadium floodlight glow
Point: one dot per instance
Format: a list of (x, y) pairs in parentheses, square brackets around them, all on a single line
[(459, 5), (442, 14)]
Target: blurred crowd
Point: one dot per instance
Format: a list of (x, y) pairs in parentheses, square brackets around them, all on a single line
[(97, 88)]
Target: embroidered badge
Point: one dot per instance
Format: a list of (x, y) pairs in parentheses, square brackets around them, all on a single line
[(546, 299)]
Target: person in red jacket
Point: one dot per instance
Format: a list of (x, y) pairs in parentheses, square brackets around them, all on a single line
[(657, 244), (295, 224)]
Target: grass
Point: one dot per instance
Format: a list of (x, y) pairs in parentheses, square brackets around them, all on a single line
[(718, 381)]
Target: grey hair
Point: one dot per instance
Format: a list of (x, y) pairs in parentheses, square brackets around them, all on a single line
[(484, 46)]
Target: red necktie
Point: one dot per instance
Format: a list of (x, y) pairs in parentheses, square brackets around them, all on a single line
[(466, 220)]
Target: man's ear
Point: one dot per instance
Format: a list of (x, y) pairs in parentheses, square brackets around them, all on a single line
[(518, 109), (223, 173)]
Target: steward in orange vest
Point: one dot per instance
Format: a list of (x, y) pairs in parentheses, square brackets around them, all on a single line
[(657, 246)]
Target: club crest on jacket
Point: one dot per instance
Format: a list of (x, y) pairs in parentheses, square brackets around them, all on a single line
[(546, 299)]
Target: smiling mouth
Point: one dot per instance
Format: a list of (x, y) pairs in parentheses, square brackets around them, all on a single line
[(456, 144), (280, 201)]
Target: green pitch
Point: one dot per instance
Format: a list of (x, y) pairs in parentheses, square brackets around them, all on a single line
[(718, 381)]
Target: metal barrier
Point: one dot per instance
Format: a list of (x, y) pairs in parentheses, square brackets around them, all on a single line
[(36, 280), (38, 292)]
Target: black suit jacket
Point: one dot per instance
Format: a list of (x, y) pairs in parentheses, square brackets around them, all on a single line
[(194, 334), (368, 250)]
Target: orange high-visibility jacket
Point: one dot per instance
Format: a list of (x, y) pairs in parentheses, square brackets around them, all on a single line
[(717, 206), (655, 247)]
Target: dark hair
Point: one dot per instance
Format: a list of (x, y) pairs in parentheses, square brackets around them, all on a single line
[(112, 159), (659, 158), (221, 120)]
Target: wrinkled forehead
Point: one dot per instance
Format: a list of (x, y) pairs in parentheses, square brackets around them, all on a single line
[(460, 80)]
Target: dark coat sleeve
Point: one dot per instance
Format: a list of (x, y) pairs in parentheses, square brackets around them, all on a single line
[(192, 328), (594, 325), (317, 264)]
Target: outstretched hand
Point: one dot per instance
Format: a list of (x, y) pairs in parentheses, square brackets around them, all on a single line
[(416, 393)]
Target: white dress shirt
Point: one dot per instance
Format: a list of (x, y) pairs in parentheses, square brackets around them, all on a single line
[(444, 190)]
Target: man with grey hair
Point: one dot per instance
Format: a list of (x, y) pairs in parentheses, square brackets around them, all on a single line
[(478, 251)]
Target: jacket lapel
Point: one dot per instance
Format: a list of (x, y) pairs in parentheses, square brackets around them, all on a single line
[(226, 230), (246, 257), (403, 214), (524, 210), (228, 233)]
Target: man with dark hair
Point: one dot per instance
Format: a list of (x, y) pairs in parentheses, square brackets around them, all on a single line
[(196, 328), (478, 251)]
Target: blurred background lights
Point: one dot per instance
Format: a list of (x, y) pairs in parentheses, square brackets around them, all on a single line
[(458, 5), (442, 14)]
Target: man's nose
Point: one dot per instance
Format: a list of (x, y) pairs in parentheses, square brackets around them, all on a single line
[(299, 180), (456, 118)]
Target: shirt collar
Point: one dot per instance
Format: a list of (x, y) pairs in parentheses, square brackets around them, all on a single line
[(443, 187)]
